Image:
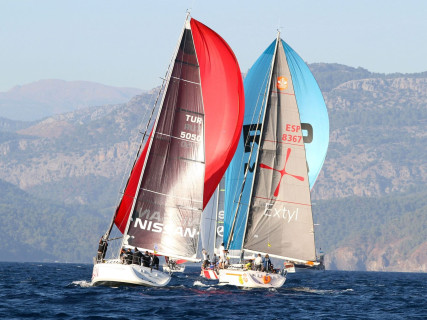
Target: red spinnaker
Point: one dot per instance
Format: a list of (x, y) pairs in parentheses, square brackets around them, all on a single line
[(224, 102)]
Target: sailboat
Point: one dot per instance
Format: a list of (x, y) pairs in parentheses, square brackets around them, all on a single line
[(280, 153), (181, 162)]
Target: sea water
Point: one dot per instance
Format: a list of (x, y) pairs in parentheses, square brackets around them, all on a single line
[(63, 291)]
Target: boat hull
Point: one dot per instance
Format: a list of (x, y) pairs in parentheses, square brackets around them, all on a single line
[(209, 274), (114, 273), (177, 268), (250, 278)]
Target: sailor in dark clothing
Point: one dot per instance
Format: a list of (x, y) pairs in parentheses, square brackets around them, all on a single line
[(137, 257), (129, 256), (267, 265), (123, 255), (146, 259), (154, 261), (102, 249)]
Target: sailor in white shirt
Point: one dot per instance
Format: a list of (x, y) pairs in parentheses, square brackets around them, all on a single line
[(258, 262)]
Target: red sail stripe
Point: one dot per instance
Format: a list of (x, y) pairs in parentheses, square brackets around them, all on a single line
[(123, 210)]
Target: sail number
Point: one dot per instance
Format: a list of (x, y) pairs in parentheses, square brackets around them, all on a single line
[(291, 138), (191, 136)]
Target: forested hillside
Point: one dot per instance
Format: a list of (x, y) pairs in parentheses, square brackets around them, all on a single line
[(41, 230), (380, 233)]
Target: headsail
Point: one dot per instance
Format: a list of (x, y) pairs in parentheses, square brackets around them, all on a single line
[(189, 149), (212, 224), (276, 193)]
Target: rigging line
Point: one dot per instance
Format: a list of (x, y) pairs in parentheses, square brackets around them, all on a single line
[(231, 235), (242, 161), (135, 150), (181, 79)]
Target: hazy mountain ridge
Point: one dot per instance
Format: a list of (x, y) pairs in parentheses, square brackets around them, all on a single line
[(377, 148), (44, 98)]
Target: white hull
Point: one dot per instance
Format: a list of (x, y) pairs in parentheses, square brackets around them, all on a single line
[(290, 267), (177, 268), (113, 273), (250, 278)]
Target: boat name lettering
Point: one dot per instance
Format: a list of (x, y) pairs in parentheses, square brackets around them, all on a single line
[(168, 229), (283, 213), (156, 215)]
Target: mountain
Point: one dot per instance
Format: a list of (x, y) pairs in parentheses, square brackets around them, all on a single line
[(45, 98), (369, 198)]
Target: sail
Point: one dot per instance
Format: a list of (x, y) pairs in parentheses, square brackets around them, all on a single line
[(219, 221), (313, 128), (313, 113), (212, 224), (207, 225), (280, 220), (223, 100), (183, 165)]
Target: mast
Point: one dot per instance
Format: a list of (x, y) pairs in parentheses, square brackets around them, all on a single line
[(265, 101)]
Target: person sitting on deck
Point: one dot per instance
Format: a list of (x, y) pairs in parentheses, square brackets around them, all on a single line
[(248, 265)]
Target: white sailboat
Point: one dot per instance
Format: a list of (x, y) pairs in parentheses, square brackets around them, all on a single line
[(182, 160), (281, 150)]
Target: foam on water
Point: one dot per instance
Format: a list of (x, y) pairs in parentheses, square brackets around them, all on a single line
[(82, 283), (198, 283)]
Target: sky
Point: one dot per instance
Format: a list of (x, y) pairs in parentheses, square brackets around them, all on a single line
[(130, 43)]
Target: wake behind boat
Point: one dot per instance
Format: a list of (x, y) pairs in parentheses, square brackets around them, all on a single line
[(180, 161)]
